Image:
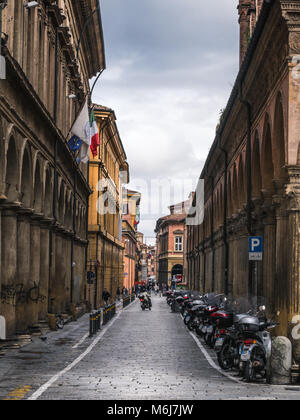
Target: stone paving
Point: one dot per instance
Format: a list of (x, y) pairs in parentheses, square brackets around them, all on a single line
[(139, 356)]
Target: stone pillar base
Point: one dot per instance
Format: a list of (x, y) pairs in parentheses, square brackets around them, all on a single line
[(281, 361)]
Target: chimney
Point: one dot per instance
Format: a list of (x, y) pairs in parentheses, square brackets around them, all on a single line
[(247, 20)]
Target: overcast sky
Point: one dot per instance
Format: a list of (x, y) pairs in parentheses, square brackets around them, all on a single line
[(171, 65)]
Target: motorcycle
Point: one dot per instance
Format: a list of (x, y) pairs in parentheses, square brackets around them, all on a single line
[(229, 345), (145, 303), (194, 317), (222, 320), (256, 349)]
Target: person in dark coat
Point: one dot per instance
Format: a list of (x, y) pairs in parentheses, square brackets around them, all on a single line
[(105, 296)]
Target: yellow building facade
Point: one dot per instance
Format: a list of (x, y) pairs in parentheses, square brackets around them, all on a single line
[(108, 171)]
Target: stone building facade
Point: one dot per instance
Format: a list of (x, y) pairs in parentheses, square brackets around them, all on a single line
[(252, 173), (108, 171), (43, 191), (170, 240)]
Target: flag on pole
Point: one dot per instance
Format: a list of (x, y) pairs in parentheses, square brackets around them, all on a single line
[(79, 131), (94, 134), (78, 128), (74, 143)]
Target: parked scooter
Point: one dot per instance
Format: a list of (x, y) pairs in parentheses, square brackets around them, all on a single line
[(256, 349)]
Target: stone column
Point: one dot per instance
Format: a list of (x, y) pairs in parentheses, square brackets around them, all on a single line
[(292, 243), (23, 270), (44, 269), (35, 260), (8, 268)]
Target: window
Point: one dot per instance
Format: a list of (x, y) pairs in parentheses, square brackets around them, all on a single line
[(178, 244), (125, 209)]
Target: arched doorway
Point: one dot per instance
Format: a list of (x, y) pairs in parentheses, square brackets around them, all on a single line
[(177, 273)]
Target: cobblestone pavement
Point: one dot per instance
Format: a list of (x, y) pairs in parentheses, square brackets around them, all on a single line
[(137, 356)]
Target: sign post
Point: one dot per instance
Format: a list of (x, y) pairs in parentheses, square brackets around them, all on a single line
[(255, 254), (255, 248)]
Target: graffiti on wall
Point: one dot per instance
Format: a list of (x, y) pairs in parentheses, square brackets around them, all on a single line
[(19, 295)]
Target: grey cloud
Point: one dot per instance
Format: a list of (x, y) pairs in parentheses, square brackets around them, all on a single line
[(170, 69)]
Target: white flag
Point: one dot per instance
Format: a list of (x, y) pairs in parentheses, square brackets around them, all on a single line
[(79, 127), (85, 148)]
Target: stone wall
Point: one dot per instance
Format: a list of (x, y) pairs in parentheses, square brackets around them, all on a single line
[(252, 175)]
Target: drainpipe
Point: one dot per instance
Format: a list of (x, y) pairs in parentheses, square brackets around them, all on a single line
[(249, 182)]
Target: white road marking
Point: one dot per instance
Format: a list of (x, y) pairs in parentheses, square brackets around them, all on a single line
[(212, 363), (81, 341), (47, 385)]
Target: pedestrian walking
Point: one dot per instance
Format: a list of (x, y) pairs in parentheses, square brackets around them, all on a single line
[(105, 296), (118, 293)]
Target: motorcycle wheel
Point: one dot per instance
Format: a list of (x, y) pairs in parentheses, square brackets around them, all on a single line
[(249, 372), (189, 325), (225, 359), (143, 308), (208, 339), (198, 332)]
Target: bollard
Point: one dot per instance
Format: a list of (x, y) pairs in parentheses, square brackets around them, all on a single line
[(99, 320), (91, 324), (281, 361)]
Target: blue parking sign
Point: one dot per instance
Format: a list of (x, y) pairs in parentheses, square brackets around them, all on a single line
[(255, 248)]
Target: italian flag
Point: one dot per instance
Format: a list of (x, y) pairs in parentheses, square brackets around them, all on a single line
[(94, 135)]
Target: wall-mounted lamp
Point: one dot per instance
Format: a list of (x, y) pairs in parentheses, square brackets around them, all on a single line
[(31, 4), (72, 96)]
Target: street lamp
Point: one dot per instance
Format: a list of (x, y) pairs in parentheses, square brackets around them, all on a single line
[(31, 4), (3, 4)]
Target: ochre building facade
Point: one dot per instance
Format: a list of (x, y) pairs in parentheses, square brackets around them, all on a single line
[(108, 172)]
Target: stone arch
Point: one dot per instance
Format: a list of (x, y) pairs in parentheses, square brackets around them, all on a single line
[(77, 223), (47, 192), (68, 211), (279, 144), (256, 168), (26, 178), (2, 158), (219, 205), (235, 192), (267, 165), (12, 171), (229, 195), (241, 183), (38, 187), (61, 203)]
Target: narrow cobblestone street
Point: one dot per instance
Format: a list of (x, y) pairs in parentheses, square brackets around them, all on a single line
[(137, 356)]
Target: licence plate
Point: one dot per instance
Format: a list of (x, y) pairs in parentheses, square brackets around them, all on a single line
[(219, 342), (187, 318), (204, 329), (245, 354), (210, 330)]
